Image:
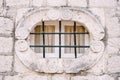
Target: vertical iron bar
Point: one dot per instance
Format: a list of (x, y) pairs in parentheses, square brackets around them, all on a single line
[(75, 40), (59, 39), (43, 30)]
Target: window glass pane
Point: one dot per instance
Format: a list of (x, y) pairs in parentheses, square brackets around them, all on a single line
[(38, 39), (80, 38), (49, 39), (69, 39)]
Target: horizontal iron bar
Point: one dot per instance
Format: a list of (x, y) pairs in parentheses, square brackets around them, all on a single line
[(58, 46), (59, 33)]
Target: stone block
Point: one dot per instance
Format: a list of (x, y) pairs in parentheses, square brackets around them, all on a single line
[(79, 3), (90, 77), (17, 3), (6, 26), (61, 77), (6, 44), (112, 23), (6, 63), (102, 3), (56, 2), (114, 64)]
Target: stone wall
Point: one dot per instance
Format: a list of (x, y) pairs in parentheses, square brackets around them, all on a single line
[(106, 11)]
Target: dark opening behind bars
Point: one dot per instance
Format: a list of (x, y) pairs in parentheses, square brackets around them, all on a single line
[(59, 46)]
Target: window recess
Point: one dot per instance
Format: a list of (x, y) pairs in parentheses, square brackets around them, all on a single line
[(59, 39)]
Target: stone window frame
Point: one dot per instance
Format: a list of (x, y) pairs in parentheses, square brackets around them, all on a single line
[(56, 65)]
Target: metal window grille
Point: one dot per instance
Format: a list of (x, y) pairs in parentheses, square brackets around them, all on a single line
[(59, 33)]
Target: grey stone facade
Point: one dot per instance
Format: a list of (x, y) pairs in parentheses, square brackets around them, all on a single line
[(107, 13)]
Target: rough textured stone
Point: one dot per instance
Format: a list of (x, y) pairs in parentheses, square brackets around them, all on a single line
[(38, 3), (5, 63), (112, 23), (114, 42), (16, 77), (28, 76), (21, 68), (79, 3), (6, 44), (61, 77), (99, 14), (106, 13), (102, 3), (6, 26), (114, 64), (90, 77), (17, 3), (119, 78), (11, 12), (112, 50), (2, 11), (20, 13), (1, 2), (56, 2), (0, 77), (37, 77), (100, 67)]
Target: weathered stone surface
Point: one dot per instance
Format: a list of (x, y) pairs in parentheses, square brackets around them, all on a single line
[(28, 76), (102, 3), (6, 26), (20, 13), (112, 50), (6, 44), (21, 68), (11, 12), (56, 2), (61, 77), (99, 14), (17, 3), (1, 2), (3, 11), (38, 3), (5, 63), (113, 64), (112, 23), (119, 78), (53, 66), (79, 3), (104, 77), (16, 77), (0, 77), (114, 42), (100, 67), (37, 77)]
